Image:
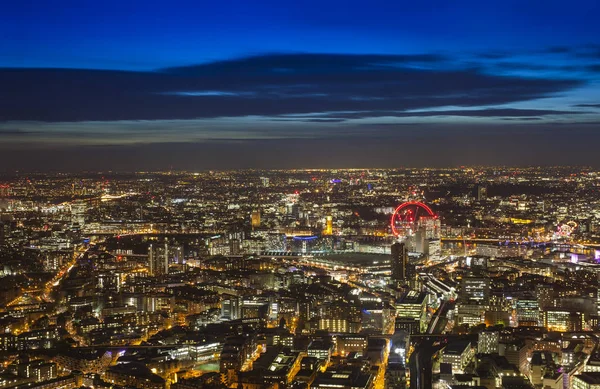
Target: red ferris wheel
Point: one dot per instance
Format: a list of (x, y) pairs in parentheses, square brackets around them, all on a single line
[(408, 215)]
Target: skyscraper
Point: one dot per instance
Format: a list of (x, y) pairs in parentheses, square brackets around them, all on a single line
[(481, 193), (399, 262), (255, 219), (328, 225), (158, 259), (412, 306), (78, 210)]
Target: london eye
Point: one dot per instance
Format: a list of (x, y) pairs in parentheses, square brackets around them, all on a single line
[(407, 216)]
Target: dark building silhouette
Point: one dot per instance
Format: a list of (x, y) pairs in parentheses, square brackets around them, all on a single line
[(399, 262)]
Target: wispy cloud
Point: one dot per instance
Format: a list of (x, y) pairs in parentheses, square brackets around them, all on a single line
[(267, 85), (294, 96)]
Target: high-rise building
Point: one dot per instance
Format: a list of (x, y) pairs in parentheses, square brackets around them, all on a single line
[(528, 312), (431, 225), (434, 250), (458, 354), (37, 370), (481, 193), (339, 325), (78, 209), (231, 308), (265, 181), (475, 289), (160, 255), (399, 262), (488, 342), (470, 313), (586, 381), (545, 295), (412, 305), (293, 210), (158, 261), (346, 344), (420, 242), (255, 219), (328, 225), (559, 319), (408, 325)]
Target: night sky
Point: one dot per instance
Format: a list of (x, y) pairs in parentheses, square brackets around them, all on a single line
[(129, 85)]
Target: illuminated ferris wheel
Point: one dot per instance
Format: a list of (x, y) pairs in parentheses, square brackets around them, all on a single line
[(408, 216), (565, 229)]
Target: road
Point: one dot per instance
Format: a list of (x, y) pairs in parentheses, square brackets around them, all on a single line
[(420, 362), (439, 317), (379, 381), (62, 273)]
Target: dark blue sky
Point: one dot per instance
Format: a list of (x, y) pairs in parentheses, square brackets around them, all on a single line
[(228, 84)]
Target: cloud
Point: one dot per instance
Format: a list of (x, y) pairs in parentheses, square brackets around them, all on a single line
[(536, 67), (15, 131), (586, 52), (306, 64), (522, 119), (493, 55), (593, 68), (558, 50), (474, 113), (266, 86), (333, 120)]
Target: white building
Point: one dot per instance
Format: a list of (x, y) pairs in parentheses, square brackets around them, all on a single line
[(488, 342)]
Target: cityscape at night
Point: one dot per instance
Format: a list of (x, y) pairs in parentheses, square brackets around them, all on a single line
[(362, 278), (299, 195)]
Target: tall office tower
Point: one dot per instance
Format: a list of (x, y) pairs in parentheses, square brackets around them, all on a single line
[(528, 312), (475, 289), (434, 250), (399, 262), (293, 210), (328, 225), (255, 219), (481, 193), (265, 181), (420, 241), (176, 253), (432, 226), (235, 246), (545, 295), (151, 259), (230, 307), (78, 209), (158, 259), (412, 306)]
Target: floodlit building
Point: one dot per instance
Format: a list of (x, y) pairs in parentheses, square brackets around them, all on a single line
[(458, 354), (413, 305), (488, 342)]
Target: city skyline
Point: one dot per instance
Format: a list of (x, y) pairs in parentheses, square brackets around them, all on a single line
[(226, 86), (370, 279), (299, 195)]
